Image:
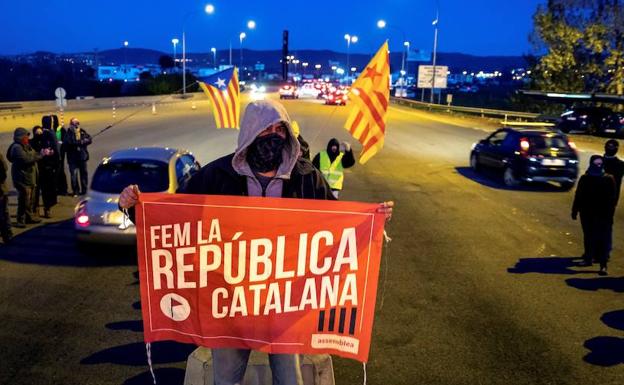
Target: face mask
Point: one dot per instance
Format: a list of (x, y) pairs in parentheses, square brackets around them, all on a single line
[(595, 169), (265, 153)]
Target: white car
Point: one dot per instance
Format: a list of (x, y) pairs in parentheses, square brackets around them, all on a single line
[(98, 219), (309, 90)]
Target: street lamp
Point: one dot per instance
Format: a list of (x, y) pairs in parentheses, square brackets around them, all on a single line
[(242, 36), (214, 55), (435, 48), (209, 9), (305, 66), (175, 42), (251, 24), (125, 63), (350, 39)]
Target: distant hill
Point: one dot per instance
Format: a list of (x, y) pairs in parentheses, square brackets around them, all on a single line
[(271, 59)]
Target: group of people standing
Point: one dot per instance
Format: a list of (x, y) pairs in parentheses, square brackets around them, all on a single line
[(38, 170), (596, 198)]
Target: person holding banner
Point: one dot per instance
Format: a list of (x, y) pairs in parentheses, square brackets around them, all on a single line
[(265, 163)]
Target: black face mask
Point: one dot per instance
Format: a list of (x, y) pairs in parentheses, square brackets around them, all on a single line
[(611, 150), (265, 153)]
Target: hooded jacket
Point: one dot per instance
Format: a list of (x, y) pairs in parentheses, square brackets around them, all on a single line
[(23, 160), (46, 140), (347, 160), (231, 174), (595, 197)]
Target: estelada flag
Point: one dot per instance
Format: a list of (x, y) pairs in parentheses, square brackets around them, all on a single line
[(223, 91), (370, 95), (278, 275)]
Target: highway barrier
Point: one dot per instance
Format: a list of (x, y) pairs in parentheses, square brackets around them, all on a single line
[(9, 110), (506, 116)]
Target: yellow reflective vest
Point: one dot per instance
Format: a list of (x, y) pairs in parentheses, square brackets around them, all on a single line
[(332, 171)]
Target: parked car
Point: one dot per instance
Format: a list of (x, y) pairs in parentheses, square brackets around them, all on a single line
[(154, 169), (528, 155), (612, 125), (584, 119)]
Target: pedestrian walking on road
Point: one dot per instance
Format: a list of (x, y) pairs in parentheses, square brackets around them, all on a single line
[(265, 163), (24, 160), (76, 142), (614, 165), (5, 218), (44, 139), (595, 202), (332, 163)]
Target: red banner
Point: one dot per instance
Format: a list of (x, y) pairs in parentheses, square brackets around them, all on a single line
[(276, 275)]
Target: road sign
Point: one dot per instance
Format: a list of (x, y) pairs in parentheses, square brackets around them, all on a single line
[(425, 76), (60, 93), (61, 103), (259, 67)]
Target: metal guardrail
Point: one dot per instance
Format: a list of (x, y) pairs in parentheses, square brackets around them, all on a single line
[(10, 106), (483, 112)]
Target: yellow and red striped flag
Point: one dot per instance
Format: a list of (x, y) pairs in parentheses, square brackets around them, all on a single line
[(223, 92), (370, 95)]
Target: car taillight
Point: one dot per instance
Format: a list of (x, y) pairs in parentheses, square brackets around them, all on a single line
[(82, 217), (572, 144), (524, 146)]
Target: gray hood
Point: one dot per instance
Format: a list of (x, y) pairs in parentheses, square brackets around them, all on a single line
[(258, 116)]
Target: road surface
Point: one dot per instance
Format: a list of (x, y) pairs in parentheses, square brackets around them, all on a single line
[(478, 285)]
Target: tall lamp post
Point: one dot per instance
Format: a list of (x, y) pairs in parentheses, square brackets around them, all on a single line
[(125, 49), (435, 48), (209, 9), (350, 39), (241, 37), (175, 42), (214, 56)]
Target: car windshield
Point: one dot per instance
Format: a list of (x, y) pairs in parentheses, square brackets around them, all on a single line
[(113, 177), (546, 142)]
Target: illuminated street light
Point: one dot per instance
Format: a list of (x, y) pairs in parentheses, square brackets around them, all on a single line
[(350, 39), (241, 37), (381, 24), (208, 9), (214, 55), (251, 24), (175, 42), (317, 66)]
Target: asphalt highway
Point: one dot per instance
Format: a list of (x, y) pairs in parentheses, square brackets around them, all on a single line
[(478, 286)]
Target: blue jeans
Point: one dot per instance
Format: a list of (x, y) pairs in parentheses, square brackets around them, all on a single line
[(230, 364)]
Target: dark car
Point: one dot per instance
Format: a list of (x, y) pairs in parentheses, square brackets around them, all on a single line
[(612, 125), (585, 119), (528, 155)]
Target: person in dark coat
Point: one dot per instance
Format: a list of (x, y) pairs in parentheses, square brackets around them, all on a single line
[(51, 122), (5, 218), (24, 174), (48, 167), (595, 201), (332, 163), (76, 142), (266, 163), (614, 165)]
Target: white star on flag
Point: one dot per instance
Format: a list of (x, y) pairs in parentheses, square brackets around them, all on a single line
[(220, 83)]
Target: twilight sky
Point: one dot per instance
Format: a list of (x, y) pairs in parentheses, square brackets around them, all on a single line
[(481, 27)]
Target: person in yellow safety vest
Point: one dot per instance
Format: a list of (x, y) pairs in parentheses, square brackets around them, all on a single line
[(332, 163)]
